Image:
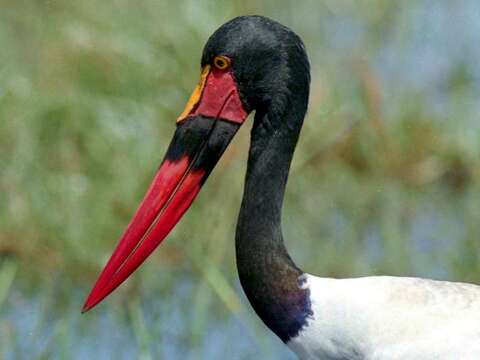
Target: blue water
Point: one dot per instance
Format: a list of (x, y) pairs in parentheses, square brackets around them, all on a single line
[(39, 327)]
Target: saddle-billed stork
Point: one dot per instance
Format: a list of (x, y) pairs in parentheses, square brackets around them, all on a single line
[(254, 63)]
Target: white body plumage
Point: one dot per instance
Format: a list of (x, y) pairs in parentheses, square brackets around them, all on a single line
[(390, 318)]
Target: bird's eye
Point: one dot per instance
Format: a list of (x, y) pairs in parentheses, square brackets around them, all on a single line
[(221, 62)]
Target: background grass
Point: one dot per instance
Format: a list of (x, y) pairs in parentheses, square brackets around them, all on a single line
[(385, 178)]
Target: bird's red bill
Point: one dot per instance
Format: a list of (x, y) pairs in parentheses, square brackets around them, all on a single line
[(177, 182), (172, 191)]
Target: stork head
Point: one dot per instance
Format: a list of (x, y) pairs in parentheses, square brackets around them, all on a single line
[(249, 63)]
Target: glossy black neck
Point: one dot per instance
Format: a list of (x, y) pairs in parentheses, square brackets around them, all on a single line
[(268, 275)]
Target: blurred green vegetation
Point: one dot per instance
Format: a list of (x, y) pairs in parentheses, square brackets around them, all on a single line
[(385, 178)]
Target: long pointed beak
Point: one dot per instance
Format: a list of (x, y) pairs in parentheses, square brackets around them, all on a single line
[(199, 142)]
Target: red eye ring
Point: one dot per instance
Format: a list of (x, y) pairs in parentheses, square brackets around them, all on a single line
[(221, 62)]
